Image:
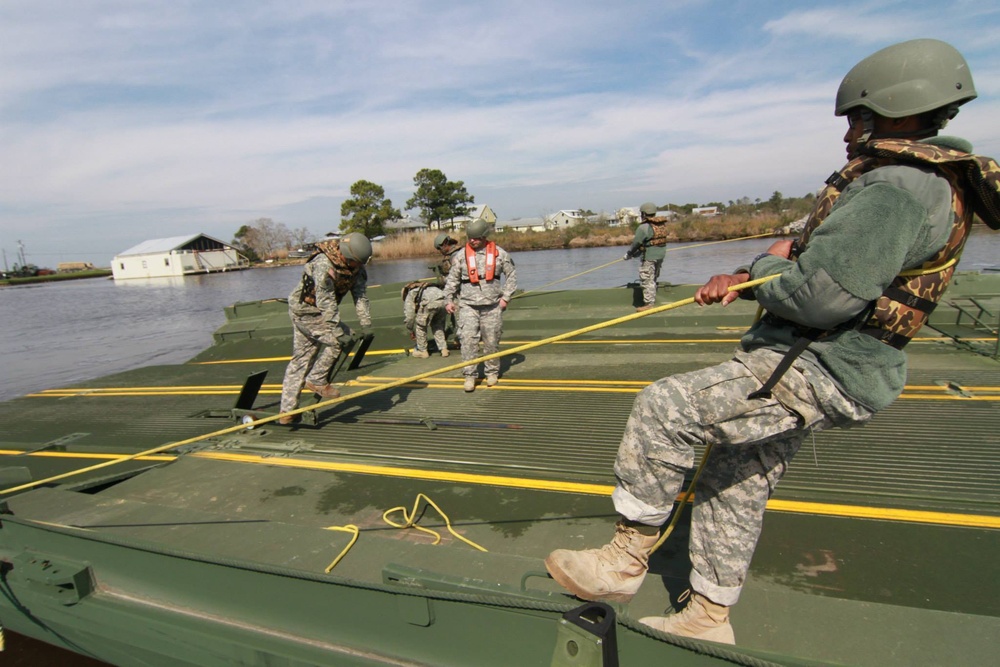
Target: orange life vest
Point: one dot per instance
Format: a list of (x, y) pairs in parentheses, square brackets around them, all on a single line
[(491, 262)]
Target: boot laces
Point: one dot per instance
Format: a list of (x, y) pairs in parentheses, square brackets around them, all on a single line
[(696, 614), (622, 544)]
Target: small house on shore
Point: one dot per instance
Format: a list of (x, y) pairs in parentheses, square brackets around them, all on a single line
[(176, 256)]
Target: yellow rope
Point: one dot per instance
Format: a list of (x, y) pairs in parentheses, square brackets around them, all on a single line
[(412, 516), (620, 259), (689, 492), (349, 528), (684, 500), (930, 269), (702, 245), (389, 385), (576, 275)]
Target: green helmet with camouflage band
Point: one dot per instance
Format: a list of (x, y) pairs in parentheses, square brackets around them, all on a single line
[(356, 246), (907, 79), (477, 229), (442, 239)]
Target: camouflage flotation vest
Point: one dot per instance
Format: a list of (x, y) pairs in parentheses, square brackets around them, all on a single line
[(342, 274), (905, 305), (419, 286), (442, 269), (903, 308), (659, 230)]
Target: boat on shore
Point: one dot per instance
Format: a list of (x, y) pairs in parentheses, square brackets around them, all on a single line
[(160, 517)]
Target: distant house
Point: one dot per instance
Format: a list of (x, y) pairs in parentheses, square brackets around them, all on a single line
[(482, 211), (405, 224), (176, 256), (522, 225), (707, 211), (627, 215), (565, 218), (630, 215)]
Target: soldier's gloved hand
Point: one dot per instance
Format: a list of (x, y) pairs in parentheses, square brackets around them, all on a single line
[(628, 255), (344, 336)]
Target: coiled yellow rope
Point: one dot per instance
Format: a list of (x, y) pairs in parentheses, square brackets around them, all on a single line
[(410, 521), (412, 517)]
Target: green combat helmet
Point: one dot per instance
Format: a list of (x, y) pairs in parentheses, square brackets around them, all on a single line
[(441, 239), (648, 209), (357, 247), (477, 229), (909, 78)]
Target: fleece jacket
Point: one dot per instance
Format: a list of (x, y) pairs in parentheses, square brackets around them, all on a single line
[(888, 220)]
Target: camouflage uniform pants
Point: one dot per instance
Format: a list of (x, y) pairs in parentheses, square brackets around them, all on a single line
[(649, 273), (477, 323), (314, 349), (752, 442), (433, 319)]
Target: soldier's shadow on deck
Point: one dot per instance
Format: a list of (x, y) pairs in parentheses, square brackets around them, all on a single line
[(373, 404), (507, 363)]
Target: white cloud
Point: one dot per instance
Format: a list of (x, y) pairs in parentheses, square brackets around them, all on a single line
[(124, 121)]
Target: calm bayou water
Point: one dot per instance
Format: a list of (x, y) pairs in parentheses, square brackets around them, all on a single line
[(56, 334), (62, 333)]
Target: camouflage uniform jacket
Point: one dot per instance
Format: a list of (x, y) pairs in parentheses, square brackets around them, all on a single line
[(319, 269), (888, 220), (485, 292), (423, 297)]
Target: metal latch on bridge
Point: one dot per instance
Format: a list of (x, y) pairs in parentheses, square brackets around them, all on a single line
[(64, 581), (587, 637)]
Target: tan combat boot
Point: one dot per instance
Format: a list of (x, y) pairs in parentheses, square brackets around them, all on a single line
[(325, 391), (420, 354), (700, 619), (470, 383), (491, 379), (614, 572)]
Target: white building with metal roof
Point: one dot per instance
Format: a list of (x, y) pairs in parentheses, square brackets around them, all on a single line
[(176, 256)]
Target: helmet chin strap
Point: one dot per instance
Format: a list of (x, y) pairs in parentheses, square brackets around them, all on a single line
[(940, 119), (868, 125)]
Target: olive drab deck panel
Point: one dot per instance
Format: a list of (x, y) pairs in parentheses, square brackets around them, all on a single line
[(274, 545)]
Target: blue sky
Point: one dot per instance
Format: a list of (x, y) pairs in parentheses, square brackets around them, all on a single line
[(125, 120)]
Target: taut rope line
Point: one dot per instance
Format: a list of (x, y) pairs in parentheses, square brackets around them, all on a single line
[(620, 259), (388, 385)]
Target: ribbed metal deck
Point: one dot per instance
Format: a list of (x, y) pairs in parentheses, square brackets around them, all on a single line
[(927, 469)]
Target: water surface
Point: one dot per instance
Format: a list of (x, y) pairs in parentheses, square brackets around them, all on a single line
[(54, 334)]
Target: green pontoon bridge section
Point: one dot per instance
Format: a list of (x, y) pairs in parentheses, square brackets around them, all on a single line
[(878, 549)]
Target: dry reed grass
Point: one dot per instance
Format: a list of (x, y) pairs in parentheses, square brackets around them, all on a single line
[(692, 228)]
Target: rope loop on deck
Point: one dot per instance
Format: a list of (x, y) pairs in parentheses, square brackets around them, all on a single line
[(412, 517)]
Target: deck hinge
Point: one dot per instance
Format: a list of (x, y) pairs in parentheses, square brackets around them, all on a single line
[(587, 637), (63, 581)]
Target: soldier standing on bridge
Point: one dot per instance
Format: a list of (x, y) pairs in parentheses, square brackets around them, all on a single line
[(475, 283), (650, 242), (338, 267)]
